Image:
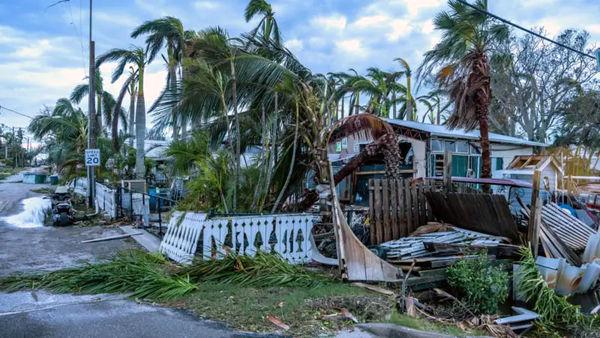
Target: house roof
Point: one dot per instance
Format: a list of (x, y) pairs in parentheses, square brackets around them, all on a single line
[(444, 131)]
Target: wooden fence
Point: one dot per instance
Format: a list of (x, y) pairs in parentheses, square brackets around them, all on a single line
[(396, 208)]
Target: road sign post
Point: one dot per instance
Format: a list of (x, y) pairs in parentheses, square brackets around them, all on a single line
[(92, 157), (91, 160)]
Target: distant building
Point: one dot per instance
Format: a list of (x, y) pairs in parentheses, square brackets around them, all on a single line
[(522, 168)]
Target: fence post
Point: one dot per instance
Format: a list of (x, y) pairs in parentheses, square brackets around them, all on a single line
[(159, 218), (131, 205)]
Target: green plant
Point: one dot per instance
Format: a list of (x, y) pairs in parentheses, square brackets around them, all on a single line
[(262, 270), (137, 272), (556, 313), (482, 285)]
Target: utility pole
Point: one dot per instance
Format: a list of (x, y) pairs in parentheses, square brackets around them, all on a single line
[(91, 115), (14, 153)]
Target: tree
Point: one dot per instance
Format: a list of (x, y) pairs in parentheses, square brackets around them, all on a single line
[(167, 31), (533, 81), (64, 131), (580, 121), (138, 58), (461, 60), (267, 25), (104, 101)]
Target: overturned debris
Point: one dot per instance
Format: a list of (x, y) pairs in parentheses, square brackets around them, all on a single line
[(407, 248)]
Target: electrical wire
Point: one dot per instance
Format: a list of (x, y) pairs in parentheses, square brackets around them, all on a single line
[(525, 29), (16, 112)]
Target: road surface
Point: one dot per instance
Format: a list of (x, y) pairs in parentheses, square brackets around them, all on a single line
[(42, 314)]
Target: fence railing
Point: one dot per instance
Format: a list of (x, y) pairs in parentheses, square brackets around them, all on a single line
[(396, 208), (286, 234), (118, 202)]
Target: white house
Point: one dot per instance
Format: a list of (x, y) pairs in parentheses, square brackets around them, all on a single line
[(423, 147)]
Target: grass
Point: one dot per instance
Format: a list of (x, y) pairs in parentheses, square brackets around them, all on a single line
[(7, 171), (246, 308), (143, 275)]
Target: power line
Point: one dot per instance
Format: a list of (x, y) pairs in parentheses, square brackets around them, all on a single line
[(16, 112), (526, 30)]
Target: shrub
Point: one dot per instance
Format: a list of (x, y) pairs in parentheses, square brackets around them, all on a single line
[(483, 286)]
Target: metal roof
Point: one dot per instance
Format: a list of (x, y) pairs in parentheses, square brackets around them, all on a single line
[(459, 133)]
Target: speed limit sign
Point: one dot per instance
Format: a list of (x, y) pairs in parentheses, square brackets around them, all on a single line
[(92, 157)]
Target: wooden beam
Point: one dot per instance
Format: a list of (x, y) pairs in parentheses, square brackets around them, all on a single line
[(535, 217), (448, 170)]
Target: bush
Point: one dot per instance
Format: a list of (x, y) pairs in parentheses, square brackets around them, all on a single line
[(483, 286)]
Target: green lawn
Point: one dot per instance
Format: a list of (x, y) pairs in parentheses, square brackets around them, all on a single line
[(246, 308)]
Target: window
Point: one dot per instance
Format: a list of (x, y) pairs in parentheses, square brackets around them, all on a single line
[(499, 163), (462, 147), (437, 145), (450, 146)]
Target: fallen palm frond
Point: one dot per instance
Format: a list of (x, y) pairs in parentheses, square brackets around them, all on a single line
[(136, 272), (556, 313), (262, 270)]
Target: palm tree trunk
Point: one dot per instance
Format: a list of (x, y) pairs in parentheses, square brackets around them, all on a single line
[(395, 116), (292, 163), (237, 134), (140, 128), (172, 85), (99, 113), (409, 99), (132, 99)]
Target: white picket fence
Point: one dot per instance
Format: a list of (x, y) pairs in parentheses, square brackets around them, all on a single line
[(286, 234), (107, 203), (106, 200)]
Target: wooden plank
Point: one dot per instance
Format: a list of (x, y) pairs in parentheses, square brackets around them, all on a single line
[(378, 220), (387, 230), (408, 205), (535, 216), (401, 208), (414, 208), (394, 222), (372, 210)]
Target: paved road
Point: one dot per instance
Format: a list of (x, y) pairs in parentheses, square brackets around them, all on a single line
[(42, 314)]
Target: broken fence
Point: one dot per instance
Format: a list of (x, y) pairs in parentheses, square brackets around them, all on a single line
[(121, 202), (396, 208), (289, 235)]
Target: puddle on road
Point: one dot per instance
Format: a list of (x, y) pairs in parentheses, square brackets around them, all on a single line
[(33, 214)]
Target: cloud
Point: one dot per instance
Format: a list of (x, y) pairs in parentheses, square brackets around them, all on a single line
[(295, 45), (333, 22), (206, 5)]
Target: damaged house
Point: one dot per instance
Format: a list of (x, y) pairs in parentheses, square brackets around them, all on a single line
[(423, 147)]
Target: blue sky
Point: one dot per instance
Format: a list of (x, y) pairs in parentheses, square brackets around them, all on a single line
[(43, 51)]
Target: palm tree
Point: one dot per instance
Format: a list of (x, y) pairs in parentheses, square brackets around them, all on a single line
[(409, 102), (104, 101), (165, 31), (267, 24), (138, 58), (64, 131), (461, 60)]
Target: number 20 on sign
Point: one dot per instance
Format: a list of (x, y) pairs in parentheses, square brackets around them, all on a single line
[(92, 157)]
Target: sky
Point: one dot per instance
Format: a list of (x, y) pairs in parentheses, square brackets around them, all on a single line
[(44, 50)]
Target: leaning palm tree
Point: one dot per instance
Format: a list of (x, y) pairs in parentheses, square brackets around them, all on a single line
[(462, 65), (138, 58), (165, 31), (64, 131), (267, 25), (104, 100)]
